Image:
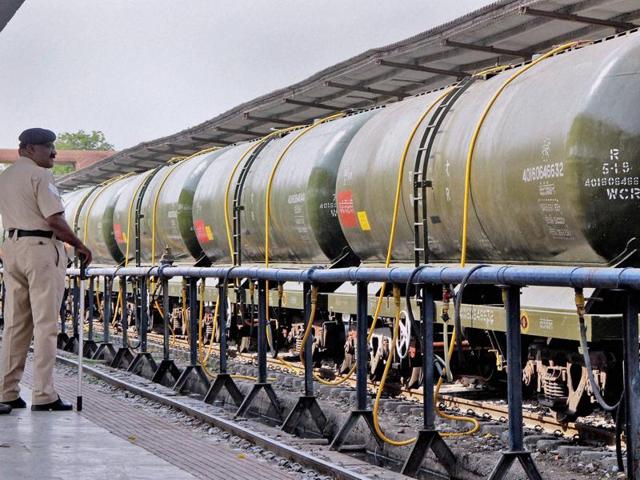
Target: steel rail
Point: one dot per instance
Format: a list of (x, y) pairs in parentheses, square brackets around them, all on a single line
[(481, 408), (575, 277)]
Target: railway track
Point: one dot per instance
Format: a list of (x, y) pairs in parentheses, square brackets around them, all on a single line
[(488, 410)]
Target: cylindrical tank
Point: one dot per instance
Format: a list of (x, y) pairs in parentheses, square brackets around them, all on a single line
[(171, 190), (71, 202), (304, 226), (124, 214), (555, 173), (208, 203), (96, 215)]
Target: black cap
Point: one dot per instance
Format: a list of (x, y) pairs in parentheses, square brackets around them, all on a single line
[(36, 136)]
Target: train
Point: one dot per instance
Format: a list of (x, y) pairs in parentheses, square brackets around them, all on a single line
[(536, 164)]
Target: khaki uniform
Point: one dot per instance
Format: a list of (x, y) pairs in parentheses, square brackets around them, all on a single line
[(34, 276)]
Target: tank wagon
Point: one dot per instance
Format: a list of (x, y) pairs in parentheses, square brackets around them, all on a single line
[(533, 164)]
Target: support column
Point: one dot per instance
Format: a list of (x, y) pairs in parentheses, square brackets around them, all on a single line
[(72, 343), (632, 385), (90, 347), (514, 394), (307, 402), (124, 355), (362, 398), (193, 378), (106, 351), (143, 364), (223, 379), (262, 383), (428, 438), (167, 372)]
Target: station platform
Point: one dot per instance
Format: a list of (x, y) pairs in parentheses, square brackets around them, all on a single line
[(116, 440)]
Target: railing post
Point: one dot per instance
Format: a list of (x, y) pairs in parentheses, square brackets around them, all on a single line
[(193, 321), (262, 331), (632, 385), (124, 356), (222, 325), (262, 383), (514, 394), (167, 372), (106, 351), (362, 354), (106, 314), (72, 343), (308, 346), (428, 438), (199, 383), (308, 401), (89, 348), (144, 314), (428, 314), (143, 364), (165, 318), (223, 379)]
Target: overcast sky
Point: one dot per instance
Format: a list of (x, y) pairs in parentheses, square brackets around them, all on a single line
[(142, 69)]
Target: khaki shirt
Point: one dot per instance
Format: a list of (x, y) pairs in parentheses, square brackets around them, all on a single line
[(28, 196)]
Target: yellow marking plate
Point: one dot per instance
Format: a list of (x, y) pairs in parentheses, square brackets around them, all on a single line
[(364, 221)]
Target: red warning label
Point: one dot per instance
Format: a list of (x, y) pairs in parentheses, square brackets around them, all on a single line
[(117, 230), (346, 211), (201, 231)]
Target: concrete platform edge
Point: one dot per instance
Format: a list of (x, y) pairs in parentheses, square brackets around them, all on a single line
[(279, 448)]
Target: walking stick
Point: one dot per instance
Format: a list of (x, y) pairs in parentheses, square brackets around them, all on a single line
[(81, 288)]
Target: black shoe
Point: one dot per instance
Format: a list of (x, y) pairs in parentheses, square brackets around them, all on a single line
[(17, 403), (4, 409), (56, 406)]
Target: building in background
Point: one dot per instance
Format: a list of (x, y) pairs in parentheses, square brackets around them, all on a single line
[(67, 161)]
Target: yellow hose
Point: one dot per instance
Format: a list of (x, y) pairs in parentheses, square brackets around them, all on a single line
[(203, 361), (227, 220), (396, 207), (465, 215), (214, 331), (102, 187), (154, 210), (267, 209), (130, 214), (387, 367), (267, 212), (392, 233), (476, 133), (310, 322)]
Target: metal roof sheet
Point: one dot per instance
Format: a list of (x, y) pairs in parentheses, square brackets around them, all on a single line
[(8, 8), (507, 31)]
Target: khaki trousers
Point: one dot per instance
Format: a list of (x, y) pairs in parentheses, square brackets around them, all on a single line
[(34, 277)]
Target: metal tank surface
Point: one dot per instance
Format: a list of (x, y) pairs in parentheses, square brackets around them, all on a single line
[(99, 234), (208, 202), (72, 202), (172, 191), (124, 214), (554, 177), (304, 227)]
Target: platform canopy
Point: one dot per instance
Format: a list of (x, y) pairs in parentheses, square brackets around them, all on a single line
[(507, 31), (8, 9)]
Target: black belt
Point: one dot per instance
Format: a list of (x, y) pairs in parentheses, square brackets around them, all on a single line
[(31, 233)]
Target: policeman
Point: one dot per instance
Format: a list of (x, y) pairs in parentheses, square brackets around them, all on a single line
[(34, 270)]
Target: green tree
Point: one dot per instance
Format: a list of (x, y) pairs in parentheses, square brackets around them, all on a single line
[(59, 170), (82, 140)]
